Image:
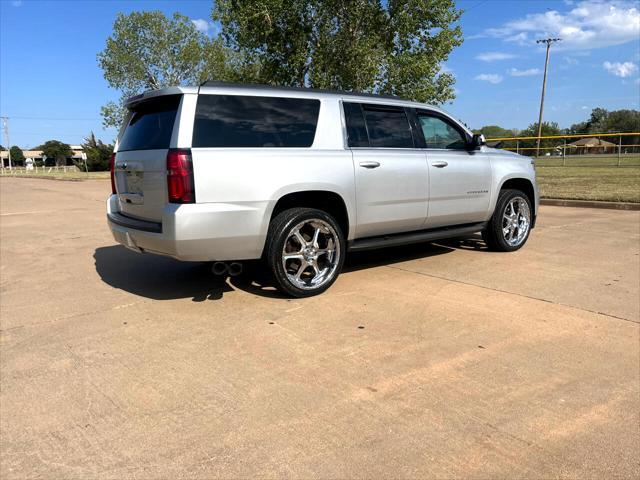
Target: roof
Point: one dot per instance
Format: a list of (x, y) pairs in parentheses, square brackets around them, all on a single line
[(211, 86), (257, 86), (591, 142)]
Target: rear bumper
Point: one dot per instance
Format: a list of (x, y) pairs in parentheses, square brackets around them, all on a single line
[(195, 232)]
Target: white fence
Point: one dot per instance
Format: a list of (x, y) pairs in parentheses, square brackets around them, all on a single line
[(15, 171)]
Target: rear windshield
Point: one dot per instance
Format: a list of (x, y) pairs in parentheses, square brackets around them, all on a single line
[(151, 125), (246, 121)]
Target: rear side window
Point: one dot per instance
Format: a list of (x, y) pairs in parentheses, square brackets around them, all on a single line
[(151, 124), (387, 127), (356, 130), (246, 121)]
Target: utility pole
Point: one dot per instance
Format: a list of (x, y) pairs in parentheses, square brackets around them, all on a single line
[(5, 127), (548, 42)]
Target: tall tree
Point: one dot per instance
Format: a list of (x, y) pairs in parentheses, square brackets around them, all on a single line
[(548, 129), (494, 131), (57, 150), (98, 154), (17, 156), (148, 51), (395, 47)]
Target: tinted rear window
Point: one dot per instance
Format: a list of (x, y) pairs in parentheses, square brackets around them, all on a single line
[(388, 127), (356, 130), (151, 125), (245, 121)]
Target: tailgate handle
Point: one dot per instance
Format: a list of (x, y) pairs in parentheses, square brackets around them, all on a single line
[(131, 198)]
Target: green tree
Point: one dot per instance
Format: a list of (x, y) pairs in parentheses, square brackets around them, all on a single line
[(57, 150), (603, 121), (148, 51), (548, 129), (494, 131), (395, 47), (98, 154), (17, 156), (622, 121)]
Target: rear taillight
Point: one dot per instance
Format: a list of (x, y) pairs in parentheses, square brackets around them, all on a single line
[(180, 176), (112, 169)]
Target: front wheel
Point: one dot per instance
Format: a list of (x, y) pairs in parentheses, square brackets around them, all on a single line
[(510, 225), (305, 251)]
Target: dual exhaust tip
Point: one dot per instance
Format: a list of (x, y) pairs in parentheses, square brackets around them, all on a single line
[(223, 268)]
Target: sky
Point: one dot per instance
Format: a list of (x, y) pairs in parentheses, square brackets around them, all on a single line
[(51, 86)]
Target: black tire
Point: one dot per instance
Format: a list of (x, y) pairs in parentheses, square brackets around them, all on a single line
[(280, 232), (493, 234)]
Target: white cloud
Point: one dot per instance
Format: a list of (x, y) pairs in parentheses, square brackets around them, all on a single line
[(489, 77), (514, 72), (201, 25), (588, 24), (493, 56), (622, 70)]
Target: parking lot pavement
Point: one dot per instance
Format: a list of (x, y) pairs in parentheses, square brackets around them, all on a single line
[(438, 360)]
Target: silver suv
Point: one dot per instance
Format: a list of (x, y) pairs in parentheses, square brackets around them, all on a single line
[(298, 177)]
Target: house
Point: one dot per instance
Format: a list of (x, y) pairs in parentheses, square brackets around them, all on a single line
[(590, 145)]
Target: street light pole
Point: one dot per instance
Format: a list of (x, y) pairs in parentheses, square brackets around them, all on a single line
[(548, 42), (5, 126)]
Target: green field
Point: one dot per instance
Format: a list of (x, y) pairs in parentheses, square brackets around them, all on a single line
[(54, 175), (611, 160), (613, 184)]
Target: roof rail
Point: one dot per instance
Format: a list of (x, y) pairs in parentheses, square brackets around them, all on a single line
[(257, 86)]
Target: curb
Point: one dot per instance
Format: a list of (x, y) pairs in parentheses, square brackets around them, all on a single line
[(557, 202)]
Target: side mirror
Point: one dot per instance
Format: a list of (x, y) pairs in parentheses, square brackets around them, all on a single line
[(477, 141)]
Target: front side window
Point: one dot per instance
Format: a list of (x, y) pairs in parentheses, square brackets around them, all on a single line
[(387, 127), (248, 121), (439, 133)]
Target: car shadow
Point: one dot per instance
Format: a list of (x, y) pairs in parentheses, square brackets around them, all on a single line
[(156, 277), (163, 278)]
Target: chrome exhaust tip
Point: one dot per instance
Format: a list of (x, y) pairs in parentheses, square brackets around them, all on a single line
[(235, 269), (219, 268)]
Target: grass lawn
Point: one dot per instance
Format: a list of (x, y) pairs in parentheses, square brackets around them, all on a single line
[(70, 175), (609, 160), (613, 184)]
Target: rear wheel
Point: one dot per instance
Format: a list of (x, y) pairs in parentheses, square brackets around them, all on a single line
[(305, 251), (510, 225)]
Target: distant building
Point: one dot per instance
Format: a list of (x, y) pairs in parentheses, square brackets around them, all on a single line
[(590, 145), (36, 155)]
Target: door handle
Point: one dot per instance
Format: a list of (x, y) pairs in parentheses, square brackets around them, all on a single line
[(440, 164), (370, 164)]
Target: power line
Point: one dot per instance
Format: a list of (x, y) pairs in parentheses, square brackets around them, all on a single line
[(476, 5), (55, 118)]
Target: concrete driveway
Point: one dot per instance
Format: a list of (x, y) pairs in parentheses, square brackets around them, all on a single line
[(440, 360)]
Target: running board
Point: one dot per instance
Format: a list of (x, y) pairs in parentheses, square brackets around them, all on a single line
[(407, 238)]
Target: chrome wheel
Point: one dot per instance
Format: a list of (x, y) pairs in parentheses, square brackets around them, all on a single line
[(516, 220), (311, 254)]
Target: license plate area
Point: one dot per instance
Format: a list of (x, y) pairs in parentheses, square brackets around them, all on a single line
[(134, 182)]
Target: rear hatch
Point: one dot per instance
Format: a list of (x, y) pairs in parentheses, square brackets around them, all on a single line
[(140, 166)]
